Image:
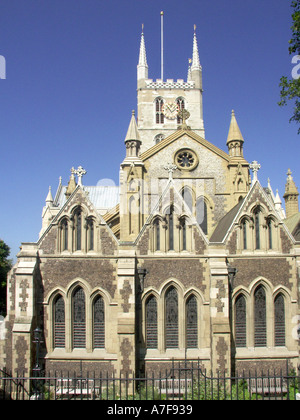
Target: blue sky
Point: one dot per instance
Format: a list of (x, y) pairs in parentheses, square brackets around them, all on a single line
[(71, 85)]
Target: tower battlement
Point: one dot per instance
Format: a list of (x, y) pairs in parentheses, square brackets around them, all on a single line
[(169, 84)]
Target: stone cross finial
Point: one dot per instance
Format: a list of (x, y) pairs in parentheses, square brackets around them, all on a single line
[(170, 168), (255, 167), (79, 172)]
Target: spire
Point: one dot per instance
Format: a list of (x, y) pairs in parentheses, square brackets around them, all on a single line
[(235, 139), (49, 198), (142, 68), (71, 185), (196, 60), (291, 196), (234, 130), (132, 132), (142, 57), (132, 139)]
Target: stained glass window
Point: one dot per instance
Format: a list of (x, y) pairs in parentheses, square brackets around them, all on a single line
[(151, 323), (59, 322), (99, 323), (171, 318), (279, 320), (79, 318), (191, 323), (240, 322), (260, 322)]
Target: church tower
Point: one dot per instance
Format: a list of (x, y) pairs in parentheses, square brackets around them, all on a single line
[(159, 101)]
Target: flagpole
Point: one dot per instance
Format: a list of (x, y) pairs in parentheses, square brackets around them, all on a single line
[(162, 44)]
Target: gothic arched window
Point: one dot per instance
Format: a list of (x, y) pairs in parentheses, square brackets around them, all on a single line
[(181, 106), (78, 313), (171, 318), (159, 116), (260, 321), (90, 234), (187, 196), (157, 235), (59, 322), (171, 228), (191, 323), (201, 214), (183, 227), (279, 318), (77, 225), (240, 322), (257, 228), (151, 323), (244, 229), (270, 233), (98, 323), (64, 235)]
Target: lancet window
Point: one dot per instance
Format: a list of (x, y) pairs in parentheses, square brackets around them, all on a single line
[(79, 318), (151, 323), (59, 322), (260, 321), (201, 214), (191, 323), (240, 322), (181, 106), (98, 323), (171, 318), (159, 115), (279, 318)]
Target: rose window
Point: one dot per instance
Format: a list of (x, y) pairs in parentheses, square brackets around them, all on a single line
[(186, 159)]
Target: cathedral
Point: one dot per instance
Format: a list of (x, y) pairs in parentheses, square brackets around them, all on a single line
[(190, 257)]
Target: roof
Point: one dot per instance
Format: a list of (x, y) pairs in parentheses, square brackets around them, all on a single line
[(292, 223), (225, 223), (102, 197)]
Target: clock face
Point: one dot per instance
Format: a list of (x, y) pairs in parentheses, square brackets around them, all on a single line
[(170, 110)]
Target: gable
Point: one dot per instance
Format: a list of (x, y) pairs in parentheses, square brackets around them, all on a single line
[(49, 240), (180, 135)]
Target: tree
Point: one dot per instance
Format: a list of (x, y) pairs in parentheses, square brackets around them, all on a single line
[(5, 266), (290, 89)]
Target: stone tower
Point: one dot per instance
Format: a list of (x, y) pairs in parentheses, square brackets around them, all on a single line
[(159, 101)]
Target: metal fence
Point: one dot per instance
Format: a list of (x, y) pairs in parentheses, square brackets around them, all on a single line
[(185, 381)]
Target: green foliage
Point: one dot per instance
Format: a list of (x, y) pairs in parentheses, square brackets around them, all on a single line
[(290, 88), (5, 266), (220, 389)]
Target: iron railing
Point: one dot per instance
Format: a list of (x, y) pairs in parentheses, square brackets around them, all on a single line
[(183, 381)]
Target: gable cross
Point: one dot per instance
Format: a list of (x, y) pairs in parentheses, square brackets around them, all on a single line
[(79, 172)]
